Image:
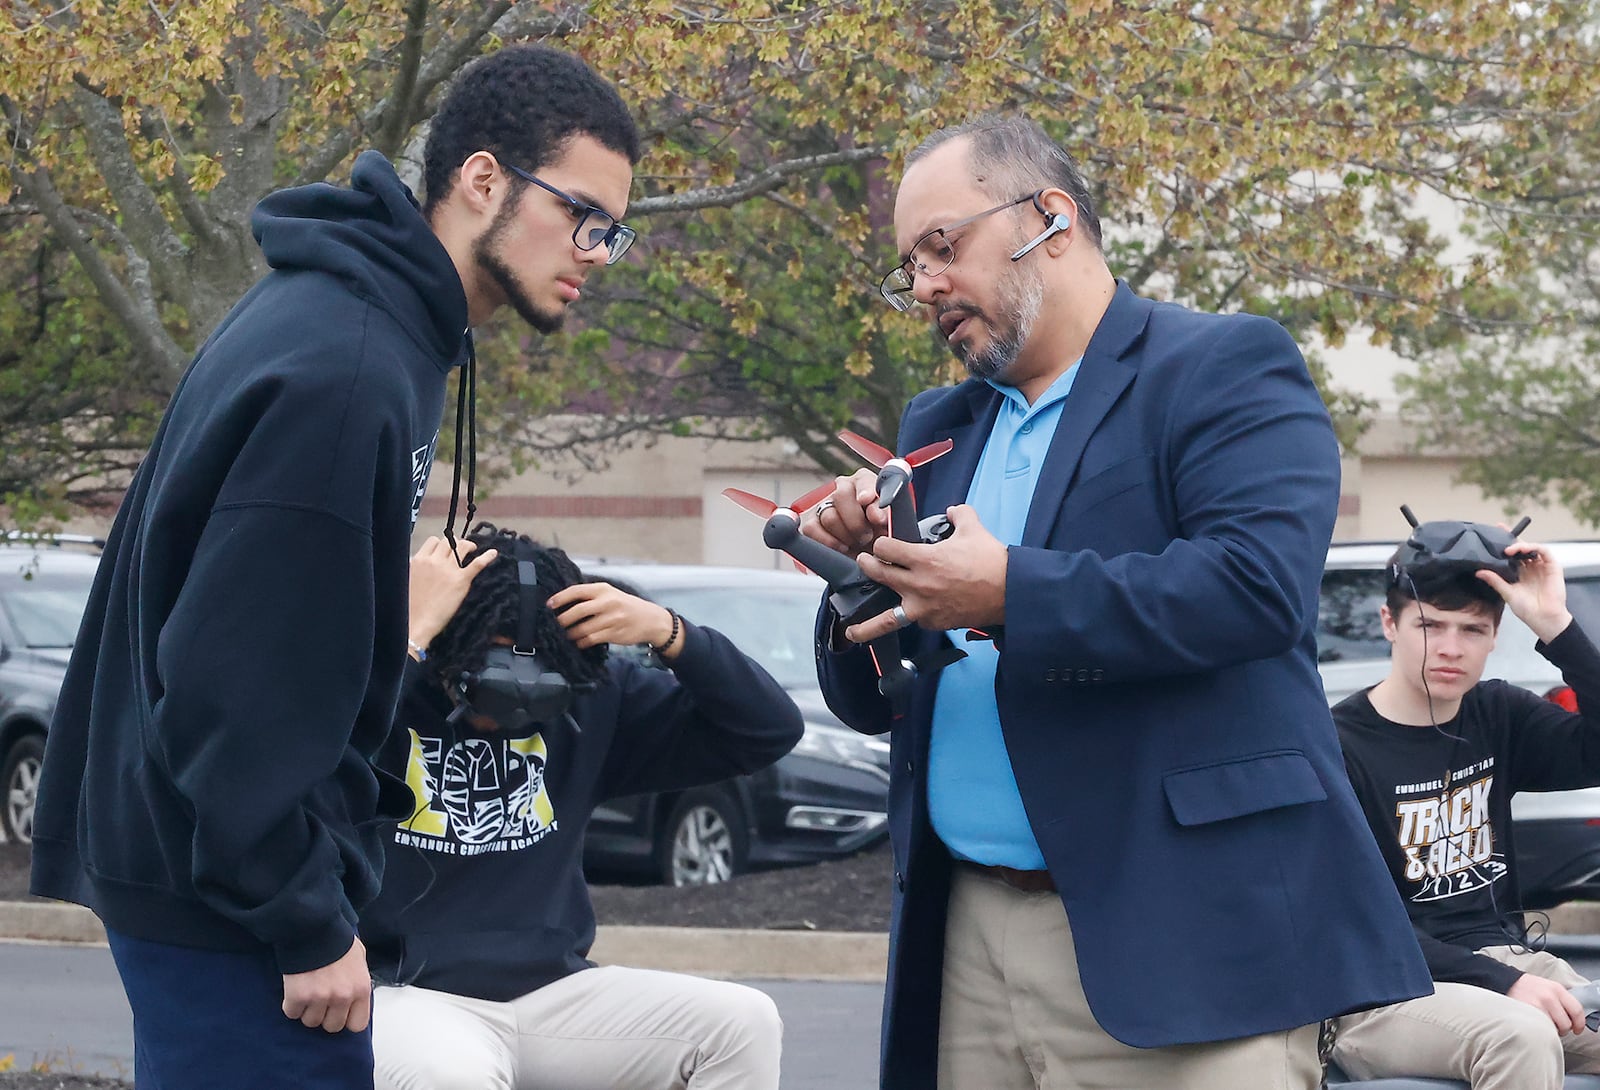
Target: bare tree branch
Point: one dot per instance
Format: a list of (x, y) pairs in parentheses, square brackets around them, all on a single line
[(405, 81), (757, 184), (142, 217), (444, 61), (132, 303)]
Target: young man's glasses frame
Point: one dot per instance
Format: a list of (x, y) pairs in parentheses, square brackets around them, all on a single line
[(595, 226)]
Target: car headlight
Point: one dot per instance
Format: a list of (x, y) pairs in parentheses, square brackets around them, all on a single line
[(842, 747)]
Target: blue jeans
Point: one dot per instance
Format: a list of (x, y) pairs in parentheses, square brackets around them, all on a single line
[(204, 1019)]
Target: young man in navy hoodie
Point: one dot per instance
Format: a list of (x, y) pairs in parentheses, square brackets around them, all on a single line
[(207, 786)]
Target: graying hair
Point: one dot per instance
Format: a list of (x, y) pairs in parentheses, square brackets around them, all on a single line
[(1010, 156)]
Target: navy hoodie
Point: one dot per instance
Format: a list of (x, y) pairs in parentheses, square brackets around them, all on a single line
[(207, 780), (485, 894)]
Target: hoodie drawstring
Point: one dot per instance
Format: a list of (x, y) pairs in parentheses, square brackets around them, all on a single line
[(466, 422)]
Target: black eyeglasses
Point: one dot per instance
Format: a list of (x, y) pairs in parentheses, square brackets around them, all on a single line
[(595, 226), (933, 253)]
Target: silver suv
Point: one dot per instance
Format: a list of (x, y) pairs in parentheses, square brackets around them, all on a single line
[(1557, 833)]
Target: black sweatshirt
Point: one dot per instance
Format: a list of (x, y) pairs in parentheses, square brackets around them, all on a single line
[(206, 779), (484, 894), (1453, 863)]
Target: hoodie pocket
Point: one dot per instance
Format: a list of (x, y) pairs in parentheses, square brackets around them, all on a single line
[(1245, 785)]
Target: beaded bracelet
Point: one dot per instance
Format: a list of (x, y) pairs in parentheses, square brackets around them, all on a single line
[(677, 623), (420, 652)]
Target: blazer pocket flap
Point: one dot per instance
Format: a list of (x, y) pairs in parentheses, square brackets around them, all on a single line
[(1249, 785)]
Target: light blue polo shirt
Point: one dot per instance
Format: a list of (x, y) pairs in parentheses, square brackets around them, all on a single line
[(972, 792)]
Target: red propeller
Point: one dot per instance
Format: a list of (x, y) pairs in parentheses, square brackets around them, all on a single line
[(881, 456), (765, 508), (780, 531)]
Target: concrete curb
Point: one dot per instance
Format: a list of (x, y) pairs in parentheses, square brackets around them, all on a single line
[(709, 951), (704, 951)]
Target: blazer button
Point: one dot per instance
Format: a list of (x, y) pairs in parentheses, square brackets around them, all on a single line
[(1050, 674), (1098, 675), (911, 767), (1083, 675), (899, 881)]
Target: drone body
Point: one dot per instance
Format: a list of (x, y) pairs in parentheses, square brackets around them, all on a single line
[(853, 596)]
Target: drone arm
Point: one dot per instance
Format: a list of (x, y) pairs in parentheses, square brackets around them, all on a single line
[(784, 533), (894, 492)]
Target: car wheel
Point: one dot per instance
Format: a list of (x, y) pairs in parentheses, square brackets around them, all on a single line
[(19, 782), (703, 840)]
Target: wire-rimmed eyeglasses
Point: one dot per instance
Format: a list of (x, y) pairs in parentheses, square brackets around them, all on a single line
[(595, 226), (933, 253)]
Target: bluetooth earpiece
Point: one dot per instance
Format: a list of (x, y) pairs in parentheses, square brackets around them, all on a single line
[(1054, 226)]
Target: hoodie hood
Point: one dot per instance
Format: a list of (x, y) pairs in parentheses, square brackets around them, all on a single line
[(373, 237)]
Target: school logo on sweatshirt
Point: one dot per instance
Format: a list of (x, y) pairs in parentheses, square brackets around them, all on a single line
[(479, 794), (421, 463), (1446, 835)]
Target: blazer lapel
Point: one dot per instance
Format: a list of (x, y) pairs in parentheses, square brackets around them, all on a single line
[(944, 481), (1108, 367)]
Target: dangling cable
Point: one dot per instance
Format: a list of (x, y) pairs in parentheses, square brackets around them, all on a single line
[(466, 429), (1532, 934), (472, 438)]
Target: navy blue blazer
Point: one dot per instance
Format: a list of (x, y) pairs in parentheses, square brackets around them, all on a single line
[(1159, 697)]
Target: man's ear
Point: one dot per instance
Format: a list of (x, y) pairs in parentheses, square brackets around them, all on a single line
[(1388, 622), (1063, 213), (481, 183)]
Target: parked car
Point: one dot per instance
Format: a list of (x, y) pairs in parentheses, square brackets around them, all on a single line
[(44, 585), (1558, 832), (828, 797)]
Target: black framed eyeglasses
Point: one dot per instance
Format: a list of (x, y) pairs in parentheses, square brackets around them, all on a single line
[(595, 226), (933, 253)]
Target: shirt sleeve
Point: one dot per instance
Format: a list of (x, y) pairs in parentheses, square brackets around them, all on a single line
[(262, 669), (716, 714), (1452, 964), (1553, 749)]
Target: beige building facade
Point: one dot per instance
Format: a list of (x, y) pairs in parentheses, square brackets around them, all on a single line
[(663, 502)]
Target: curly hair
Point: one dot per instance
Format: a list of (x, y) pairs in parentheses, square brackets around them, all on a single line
[(491, 609), (522, 104)]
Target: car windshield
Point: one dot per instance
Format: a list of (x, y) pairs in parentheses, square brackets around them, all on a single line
[(46, 612), (1348, 625), (770, 624)]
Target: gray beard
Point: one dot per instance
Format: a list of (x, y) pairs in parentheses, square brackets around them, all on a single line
[(1027, 293)]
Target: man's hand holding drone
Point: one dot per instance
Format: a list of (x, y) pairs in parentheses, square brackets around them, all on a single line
[(959, 582)]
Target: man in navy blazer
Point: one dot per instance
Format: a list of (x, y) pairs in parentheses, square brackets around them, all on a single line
[(1123, 824)]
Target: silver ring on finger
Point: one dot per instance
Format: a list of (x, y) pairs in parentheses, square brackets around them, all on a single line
[(821, 507), (899, 615)]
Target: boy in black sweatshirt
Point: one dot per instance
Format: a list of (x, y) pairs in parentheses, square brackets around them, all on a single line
[(479, 941), (1435, 755), (207, 785)]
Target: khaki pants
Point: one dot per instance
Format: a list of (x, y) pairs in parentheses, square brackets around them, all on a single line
[(609, 1028), (1013, 1015), (1464, 1032)]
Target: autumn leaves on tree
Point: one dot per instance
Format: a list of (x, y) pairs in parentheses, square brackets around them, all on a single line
[(1416, 173)]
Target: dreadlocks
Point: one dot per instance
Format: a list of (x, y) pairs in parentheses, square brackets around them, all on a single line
[(491, 605)]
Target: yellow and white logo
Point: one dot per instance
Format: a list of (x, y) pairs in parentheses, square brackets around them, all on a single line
[(478, 795)]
